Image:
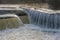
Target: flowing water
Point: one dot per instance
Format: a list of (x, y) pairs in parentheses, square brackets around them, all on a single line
[(27, 32), (44, 20), (48, 23), (42, 27)]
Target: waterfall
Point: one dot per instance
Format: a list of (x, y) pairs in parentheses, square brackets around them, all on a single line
[(30, 31), (44, 19)]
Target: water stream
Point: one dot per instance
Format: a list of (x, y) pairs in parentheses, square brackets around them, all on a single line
[(27, 32), (44, 20), (43, 26)]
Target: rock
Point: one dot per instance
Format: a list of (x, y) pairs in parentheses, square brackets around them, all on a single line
[(9, 21)]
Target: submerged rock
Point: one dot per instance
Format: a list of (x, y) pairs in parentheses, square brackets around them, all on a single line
[(9, 21)]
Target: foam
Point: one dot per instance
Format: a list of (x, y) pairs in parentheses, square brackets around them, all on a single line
[(28, 32)]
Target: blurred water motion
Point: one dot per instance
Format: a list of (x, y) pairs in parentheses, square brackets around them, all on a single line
[(9, 22)]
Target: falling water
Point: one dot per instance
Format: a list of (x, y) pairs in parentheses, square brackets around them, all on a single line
[(44, 20), (32, 31)]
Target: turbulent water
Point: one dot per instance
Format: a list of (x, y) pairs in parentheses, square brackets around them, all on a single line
[(49, 23), (44, 19), (42, 27), (27, 32)]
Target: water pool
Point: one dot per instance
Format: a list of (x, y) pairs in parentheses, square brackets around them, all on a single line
[(27, 32)]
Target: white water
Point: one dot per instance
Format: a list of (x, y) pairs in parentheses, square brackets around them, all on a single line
[(28, 32), (44, 19), (48, 22), (34, 30)]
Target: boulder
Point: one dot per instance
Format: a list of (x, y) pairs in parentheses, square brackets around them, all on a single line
[(9, 21)]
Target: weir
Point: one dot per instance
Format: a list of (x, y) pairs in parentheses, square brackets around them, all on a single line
[(39, 21), (46, 20)]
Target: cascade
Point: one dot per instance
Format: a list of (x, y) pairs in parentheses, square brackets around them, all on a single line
[(45, 20)]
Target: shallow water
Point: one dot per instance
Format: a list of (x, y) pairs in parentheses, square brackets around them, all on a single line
[(27, 32)]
